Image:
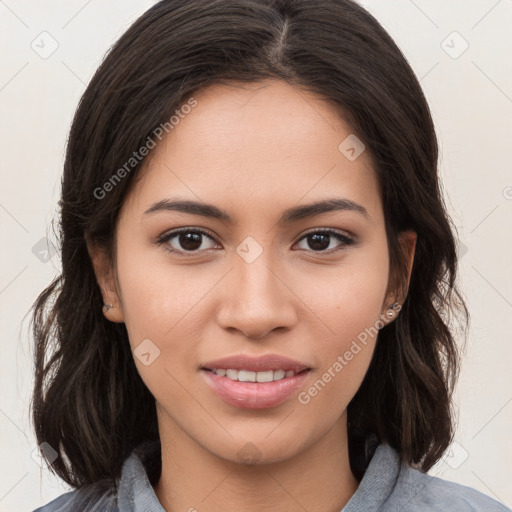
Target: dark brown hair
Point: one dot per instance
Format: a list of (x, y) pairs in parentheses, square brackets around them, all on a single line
[(89, 402)]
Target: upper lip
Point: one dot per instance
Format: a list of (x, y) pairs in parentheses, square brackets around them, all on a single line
[(256, 364)]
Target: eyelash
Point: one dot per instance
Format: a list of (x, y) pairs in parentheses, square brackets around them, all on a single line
[(166, 237)]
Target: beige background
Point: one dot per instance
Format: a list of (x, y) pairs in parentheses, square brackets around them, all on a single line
[(470, 93)]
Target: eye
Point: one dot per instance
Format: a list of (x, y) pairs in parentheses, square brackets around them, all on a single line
[(189, 241), (320, 239), (185, 240)]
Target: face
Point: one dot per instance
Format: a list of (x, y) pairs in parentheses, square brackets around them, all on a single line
[(253, 282)]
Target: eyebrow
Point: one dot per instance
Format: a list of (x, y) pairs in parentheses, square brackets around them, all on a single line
[(289, 216)]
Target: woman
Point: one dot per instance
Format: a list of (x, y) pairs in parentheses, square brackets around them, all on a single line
[(258, 272)]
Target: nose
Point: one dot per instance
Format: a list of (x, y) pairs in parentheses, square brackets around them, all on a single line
[(256, 300)]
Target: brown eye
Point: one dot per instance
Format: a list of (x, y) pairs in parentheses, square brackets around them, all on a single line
[(321, 240), (190, 241), (185, 240)]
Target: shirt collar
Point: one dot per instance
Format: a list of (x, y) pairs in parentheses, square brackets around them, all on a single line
[(141, 470), (378, 482)]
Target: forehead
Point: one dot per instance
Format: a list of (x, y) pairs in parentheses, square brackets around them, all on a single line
[(267, 143)]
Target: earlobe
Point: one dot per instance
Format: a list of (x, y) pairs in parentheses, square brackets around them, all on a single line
[(111, 306), (113, 313), (392, 311)]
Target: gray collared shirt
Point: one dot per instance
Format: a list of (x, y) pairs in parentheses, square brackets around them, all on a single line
[(387, 486)]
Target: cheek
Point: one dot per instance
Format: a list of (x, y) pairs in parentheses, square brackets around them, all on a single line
[(349, 298), (157, 296), (162, 302), (350, 307), (158, 305)]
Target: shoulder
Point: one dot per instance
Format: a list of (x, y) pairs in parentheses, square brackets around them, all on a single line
[(58, 504), (93, 498), (134, 487), (427, 492)]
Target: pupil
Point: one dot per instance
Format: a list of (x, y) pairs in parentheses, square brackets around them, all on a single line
[(317, 244), (190, 241)]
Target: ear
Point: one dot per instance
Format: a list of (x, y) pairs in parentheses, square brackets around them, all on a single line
[(407, 241), (106, 281), (408, 244)]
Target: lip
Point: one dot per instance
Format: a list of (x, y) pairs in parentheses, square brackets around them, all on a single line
[(256, 364), (254, 395)]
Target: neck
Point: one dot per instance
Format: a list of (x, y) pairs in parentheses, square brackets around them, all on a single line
[(194, 479)]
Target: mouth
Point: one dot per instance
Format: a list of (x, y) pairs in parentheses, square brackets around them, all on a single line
[(248, 382), (245, 389)]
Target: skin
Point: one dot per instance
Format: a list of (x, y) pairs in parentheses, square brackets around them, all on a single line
[(253, 150)]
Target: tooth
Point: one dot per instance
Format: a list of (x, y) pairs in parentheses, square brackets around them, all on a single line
[(249, 376), (265, 376), (232, 374), (246, 376)]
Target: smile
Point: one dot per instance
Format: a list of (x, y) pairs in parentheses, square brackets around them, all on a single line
[(260, 390)]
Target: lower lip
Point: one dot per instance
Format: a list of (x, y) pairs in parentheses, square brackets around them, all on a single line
[(254, 395)]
